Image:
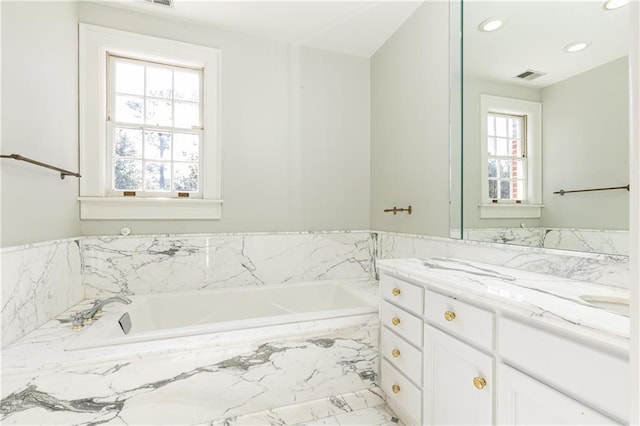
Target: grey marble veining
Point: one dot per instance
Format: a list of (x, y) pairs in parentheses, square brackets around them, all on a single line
[(41, 280), (197, 385), (611, 270), (588, 240), (147, 264), (365, 407), (584, 240), (38, 282), (550, 299)]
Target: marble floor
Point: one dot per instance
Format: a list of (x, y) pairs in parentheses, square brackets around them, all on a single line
[(361, 408)]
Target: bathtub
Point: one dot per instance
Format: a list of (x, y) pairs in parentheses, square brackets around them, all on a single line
[(190, 313)]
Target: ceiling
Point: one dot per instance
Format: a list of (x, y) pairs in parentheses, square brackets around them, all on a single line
[(534, 36), (357, 28)]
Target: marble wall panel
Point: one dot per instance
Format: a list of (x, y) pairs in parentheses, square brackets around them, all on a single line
[(584, 240), (604, 269), (150, 264), (39, 281)]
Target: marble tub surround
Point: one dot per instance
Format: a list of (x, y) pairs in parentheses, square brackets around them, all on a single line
[(46, 347), (586, 240), (549, 299), (610, 270), (39, 281), (149, 264), (187, 380)]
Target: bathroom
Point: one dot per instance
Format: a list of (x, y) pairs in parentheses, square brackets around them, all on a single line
[(318, 133)]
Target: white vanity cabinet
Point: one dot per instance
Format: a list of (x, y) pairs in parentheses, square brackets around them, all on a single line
[(474, 363), (458, 381), (594, 374), (524, 400), (401, 309)]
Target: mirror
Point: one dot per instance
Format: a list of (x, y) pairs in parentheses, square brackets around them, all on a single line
[(533, 121)]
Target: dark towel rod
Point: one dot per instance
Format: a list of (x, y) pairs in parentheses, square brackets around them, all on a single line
[(562, 191), (63, 172)]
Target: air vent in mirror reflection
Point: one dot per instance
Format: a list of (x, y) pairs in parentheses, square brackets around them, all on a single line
[(530, 75)]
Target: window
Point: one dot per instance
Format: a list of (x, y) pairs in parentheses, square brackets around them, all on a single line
[(511, 158), (154, 130), (507, 157), (148, 127)]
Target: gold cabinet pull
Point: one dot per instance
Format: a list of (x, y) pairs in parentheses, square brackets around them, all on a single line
[(395, 291), (479, 382), (395, 353), (395, 388), (449, 316), (395, 320)]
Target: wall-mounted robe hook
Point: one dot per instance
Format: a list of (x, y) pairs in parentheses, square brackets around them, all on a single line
[(395, 210)]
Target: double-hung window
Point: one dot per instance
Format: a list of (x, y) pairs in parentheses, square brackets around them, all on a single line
[(154, 130), (511, 157), (149, 146), (507, 157)]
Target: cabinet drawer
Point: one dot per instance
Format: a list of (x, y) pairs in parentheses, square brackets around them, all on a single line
[(401, 355), (401, 322), (401, 392), (402, 293), (598, 378), (466, 321)]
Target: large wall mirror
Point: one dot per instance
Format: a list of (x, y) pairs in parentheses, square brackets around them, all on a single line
[(539, 108)]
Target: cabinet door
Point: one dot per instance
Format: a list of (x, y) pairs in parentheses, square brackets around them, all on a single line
[(458, 381), (523, 400)]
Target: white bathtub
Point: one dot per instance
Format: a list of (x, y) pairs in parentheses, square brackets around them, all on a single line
[(179, 314)]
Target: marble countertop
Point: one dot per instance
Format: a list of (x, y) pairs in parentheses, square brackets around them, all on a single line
[(552, 300), (44, 348)]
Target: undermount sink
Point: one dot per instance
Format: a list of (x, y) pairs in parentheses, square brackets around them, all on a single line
[(619, 305)]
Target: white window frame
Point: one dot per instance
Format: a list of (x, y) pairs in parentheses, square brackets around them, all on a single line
[(510, 157), (112, 124), (96, 199), (531, 207)]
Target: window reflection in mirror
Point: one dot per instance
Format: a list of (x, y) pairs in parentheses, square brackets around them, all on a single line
[(583, 141)]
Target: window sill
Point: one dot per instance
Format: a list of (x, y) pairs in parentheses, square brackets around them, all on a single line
[(510, 211), (148, 208)]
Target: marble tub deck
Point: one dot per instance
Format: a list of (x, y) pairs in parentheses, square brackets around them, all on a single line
[(193, 380)]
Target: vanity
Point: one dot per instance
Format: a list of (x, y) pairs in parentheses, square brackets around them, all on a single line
[(469, 343)]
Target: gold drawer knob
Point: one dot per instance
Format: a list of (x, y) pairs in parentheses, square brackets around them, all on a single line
[(449, 316), (395, 320), (479, 382), (395, 353), (395, 292), (395, 388)]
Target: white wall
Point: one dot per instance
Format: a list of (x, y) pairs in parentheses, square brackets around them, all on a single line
[(586, 145), (39, 120), (295, 132), (409, 125)]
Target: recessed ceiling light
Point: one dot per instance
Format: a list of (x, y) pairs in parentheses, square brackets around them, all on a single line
[(615, 4), (576, 47), (490, 24)]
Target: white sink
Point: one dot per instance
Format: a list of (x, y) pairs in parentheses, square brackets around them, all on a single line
[(619, 305)]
